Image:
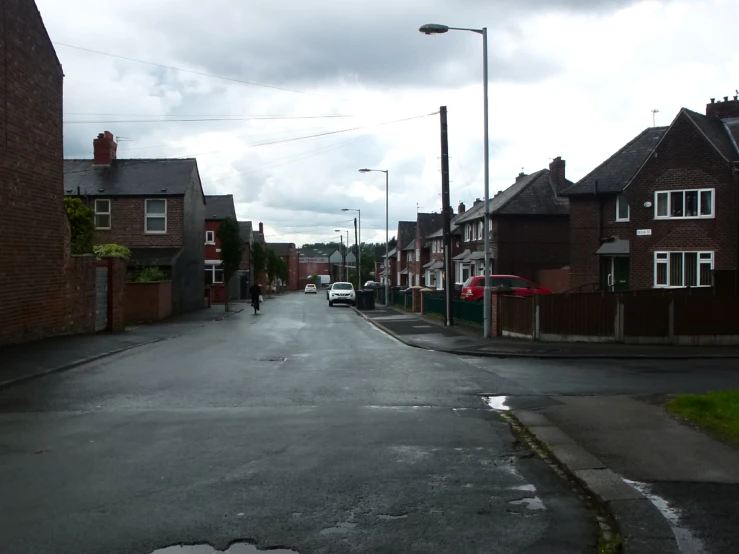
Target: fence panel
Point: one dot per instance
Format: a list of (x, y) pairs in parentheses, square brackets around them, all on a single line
[(433, 304), (517, 315), (399, 298), (470, 312), (646, 316), (706, 315), (585, 314)]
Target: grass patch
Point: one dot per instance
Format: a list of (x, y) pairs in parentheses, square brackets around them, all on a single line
[(612, 546), (716, 411)]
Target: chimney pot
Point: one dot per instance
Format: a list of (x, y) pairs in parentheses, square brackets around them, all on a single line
[(729, 108), (557, 173), (713, 100), (726, 98), (261, 227), (461, 208), (105, 149)]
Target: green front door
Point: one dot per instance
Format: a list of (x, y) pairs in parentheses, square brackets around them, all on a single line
[(620, 274)]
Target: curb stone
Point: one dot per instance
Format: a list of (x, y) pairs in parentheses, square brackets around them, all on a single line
[(72, 365), (642, 526), (543, 355)]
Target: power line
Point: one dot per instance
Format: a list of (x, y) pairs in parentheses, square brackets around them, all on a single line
[(191, 115), (251, 83), (255, 118)]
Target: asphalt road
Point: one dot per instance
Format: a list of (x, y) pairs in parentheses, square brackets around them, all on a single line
[(303, 428)]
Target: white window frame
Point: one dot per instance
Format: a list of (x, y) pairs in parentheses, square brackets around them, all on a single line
[(211, 240), (663, 257), (147, 216), (212, 267), (480, 230), (684, 191), (468, 232), (108, 213), (621, 198)]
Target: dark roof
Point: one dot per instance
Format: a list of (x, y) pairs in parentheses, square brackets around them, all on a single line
[(153, 256), (406, 233), (732, 125), (530, 195), (282, 249), (439, 233), (316, 252), (618, 170), (614, 247), (219, 207), (411, 245), (714, 130), (129, 177), (246, 231), (428, 223)]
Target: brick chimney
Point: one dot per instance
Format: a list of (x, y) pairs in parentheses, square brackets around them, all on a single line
[(723, 110), (104, 148), (477, 202), (557, 174), (261, 227), (460, 208)]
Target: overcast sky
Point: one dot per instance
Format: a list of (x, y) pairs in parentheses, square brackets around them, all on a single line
[(570, 78)]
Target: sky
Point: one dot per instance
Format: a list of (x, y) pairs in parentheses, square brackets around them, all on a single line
[(340, 86)]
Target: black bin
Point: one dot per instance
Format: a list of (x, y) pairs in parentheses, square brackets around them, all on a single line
[(359, 295), (369, 299)]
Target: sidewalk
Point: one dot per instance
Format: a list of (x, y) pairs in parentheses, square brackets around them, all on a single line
[(22, 362), (421, 332), (669, 487)]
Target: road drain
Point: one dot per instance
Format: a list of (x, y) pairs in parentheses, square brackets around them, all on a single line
[(236, 548)]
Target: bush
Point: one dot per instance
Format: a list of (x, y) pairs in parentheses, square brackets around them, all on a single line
[(82, 224), (111, 250), (150, 275)]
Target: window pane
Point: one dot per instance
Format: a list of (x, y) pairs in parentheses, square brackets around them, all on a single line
[(707, 202), (706, 255), (520, 284), (676, 269), (155, 224), (662, 255), (208, 277), (676, 204), (705, 273), (661, 274), (691, 269), (623, 208), (662, 201), (102, 221), (155, 206), (691, 203), (102, 206)]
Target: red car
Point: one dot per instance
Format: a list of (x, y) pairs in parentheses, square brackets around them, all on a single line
[(473, 289)]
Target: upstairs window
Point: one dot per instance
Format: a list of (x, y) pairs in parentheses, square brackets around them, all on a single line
[(480, 230), (210, 237), (684, 204), (468, 232), (156, 216), (622, 209), (102, 214)]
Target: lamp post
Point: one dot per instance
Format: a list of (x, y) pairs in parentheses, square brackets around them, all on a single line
[(387, 239), (346, 269), (435, 29), (359, 245)]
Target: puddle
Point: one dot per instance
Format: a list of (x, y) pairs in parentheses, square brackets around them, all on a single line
[(497, 402), (686, 541), (527, 488), (532, 503), (387, 517), (236, 548), (340, 529)]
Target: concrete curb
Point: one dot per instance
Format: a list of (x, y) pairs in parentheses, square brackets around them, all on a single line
[(642, 526), (72, 365), (544, 355)]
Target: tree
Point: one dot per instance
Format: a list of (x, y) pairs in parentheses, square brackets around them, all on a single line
[(232, 249), (282, 271), (81, 224), (258, 260), (273, 265)]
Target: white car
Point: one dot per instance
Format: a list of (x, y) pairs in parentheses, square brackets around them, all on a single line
[(342, 293), (311, 289)]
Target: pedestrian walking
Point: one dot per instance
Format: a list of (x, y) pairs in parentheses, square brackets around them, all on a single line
[(256, 296)]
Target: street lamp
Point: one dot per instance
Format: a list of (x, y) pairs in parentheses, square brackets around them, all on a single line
[(387, 239), (359, 246), (436, 29), (341, 231)]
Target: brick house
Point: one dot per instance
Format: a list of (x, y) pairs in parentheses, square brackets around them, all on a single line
[(529, 227), (218, 208), (434, 269), (44, 290), (288, 252), (663, 211), (155, 207), (406, 234), (426, 224), (380, 273)]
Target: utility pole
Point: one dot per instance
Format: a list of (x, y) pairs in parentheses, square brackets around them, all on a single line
[(357, 258), (447, 217)]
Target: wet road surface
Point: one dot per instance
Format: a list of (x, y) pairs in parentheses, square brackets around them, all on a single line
[(303, 428)]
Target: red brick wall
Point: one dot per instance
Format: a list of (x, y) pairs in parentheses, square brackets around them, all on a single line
[(127, 224), (211, 250), (585, 214), (528, 244), (33, 223)]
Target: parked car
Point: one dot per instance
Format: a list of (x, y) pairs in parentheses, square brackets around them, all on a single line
[(373, 285), (342, 293), (473, 289), (311, 289)]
